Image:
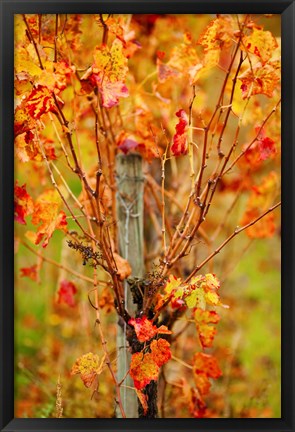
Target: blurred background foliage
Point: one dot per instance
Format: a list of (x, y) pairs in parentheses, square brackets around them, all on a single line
[(50, 336)]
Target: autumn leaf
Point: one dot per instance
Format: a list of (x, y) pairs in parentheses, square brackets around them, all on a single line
[(111, 92), (261, 43), (204, 320), (259, 200), (143, 400), (123, 267), (160, 350), (201, 290), (205, 366), (23, 122), (46, 214), (145, 330), (260, 80), (264, 148), (88, 366), (172, 283), (23, 204), (127, 144), (202, 383), (66, 293), (143, 369), (108, 73), (217, 36), (40, 102), (165, 71), (30, 272), (180, 144)]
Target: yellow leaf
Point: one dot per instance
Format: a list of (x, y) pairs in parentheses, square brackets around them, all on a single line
[(172, 283), (261, 43)]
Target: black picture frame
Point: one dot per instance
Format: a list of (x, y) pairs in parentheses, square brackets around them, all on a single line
[(10, 7)]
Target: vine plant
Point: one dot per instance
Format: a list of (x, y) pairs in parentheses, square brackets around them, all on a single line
[(199, 100)]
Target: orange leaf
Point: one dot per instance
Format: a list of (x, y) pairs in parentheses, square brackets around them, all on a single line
[(206, 364), (46, 213), (40, 101), (262, 229), (260, 199), (160, 350), (203, 319), (111, 92), (202, 383), (260, 80), (143, 369)]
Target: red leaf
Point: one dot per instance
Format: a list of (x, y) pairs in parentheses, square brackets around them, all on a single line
[(267, 148), (40, 101), (66, 293), (144, 328), (23, 204), (30, 272), (127, 145), (179, 146)]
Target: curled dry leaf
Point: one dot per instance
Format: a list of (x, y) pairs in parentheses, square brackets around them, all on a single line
[(123, 267), (143, 400)]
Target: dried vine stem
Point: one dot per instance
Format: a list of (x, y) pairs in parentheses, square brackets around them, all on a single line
[(60, 266)]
